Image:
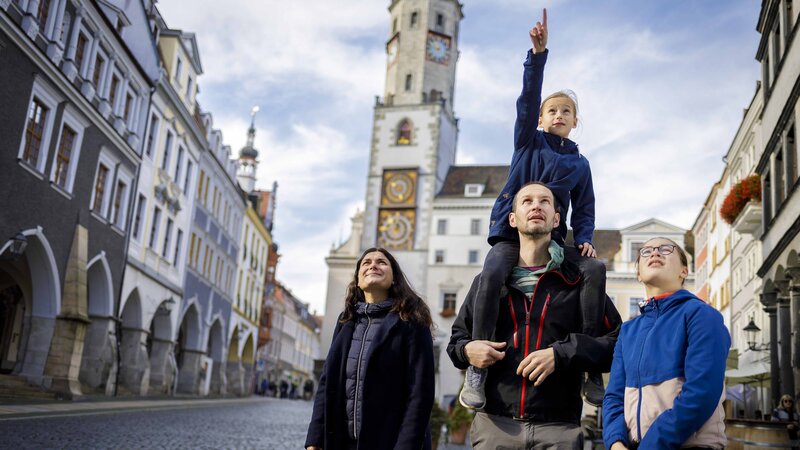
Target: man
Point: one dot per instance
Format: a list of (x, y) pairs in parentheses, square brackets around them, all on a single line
[(538, 334)]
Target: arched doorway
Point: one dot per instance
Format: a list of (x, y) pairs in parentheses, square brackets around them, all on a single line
[(248, 364), (98, 363), (160, 347), (216, 351), (30, 299), (189, 352), (135, 364), (233, 368)]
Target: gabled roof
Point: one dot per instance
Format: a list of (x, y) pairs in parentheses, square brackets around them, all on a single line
[(653, 223), (189, 43), (492, 177)]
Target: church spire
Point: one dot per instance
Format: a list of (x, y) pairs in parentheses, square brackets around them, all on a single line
[(248, 157)]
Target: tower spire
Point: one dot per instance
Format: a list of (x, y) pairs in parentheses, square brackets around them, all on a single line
[(248, 156)]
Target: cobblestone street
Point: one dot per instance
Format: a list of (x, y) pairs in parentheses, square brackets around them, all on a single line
[(253, 423)]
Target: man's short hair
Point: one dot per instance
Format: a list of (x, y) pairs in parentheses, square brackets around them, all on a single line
[(556, 204)]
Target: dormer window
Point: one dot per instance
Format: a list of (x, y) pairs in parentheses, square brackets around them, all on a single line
[(473, 190)]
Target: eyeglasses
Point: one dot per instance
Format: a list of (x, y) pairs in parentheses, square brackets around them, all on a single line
[(663, 250), (788, 401)]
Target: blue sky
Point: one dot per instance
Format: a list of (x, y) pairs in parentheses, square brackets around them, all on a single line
[(661, 86)]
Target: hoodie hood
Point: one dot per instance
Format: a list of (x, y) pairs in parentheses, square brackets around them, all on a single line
[(664, 303)]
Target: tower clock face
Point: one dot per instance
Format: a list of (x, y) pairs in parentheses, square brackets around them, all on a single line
[(437, 48), (399, 188), (396, 229)]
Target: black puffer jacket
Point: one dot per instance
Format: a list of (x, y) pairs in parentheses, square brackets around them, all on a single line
[(554, 320), (368, 320)]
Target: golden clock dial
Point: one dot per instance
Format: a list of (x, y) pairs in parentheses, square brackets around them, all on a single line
[(399, 188), (396, 229)]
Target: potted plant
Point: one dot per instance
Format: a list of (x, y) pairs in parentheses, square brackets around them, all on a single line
[(438, 420), (458, 421)]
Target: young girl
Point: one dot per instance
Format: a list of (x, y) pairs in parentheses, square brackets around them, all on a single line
[(666, 385), (548, 156)]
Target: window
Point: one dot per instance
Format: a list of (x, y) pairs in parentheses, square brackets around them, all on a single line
[(189, 87), (35, 133), (65, 28), (99, 63), (112, 93), (200, 184), (100, 189), (440, 20), (178, 70), (65, 147), (404, 132), (152, 135), (439, 257), (137, 219), (473, 257), (475, 227), (441, 226), (409, 80), (473, 190), (120, 200), (167, 236), (126, 113), (449, 301), (635, 247), (178, 164), (42, 13), (178, 239), (167, 148), (414, 19), (188, 176), (80, 51), (790, 147), (633, 309), (154, 227)]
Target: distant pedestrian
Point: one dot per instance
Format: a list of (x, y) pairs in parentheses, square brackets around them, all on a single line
[(785, 412), (284, 389), (308, 390), (668, 373), (264, 387), (377, 387)]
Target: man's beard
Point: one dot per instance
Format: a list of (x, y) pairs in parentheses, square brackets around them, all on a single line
[(537, 231)]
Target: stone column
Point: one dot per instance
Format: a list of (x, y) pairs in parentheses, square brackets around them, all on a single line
[(769, 300), (235, 374), (189, 374), (135, 365), (162, 368), (219, 380), (793, 273), (249, 373), (785, 337), (66, 350), (70, 68), (99, 354), (55, 48)]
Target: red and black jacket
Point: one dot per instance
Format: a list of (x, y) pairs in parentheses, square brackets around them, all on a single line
[(551, 319)]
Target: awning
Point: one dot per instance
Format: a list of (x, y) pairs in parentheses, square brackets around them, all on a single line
[(748, 373)]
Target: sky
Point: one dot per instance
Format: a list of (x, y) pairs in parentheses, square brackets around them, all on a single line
[(661, 85)]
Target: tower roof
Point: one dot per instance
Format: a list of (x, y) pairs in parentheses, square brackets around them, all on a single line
[(249, 151)]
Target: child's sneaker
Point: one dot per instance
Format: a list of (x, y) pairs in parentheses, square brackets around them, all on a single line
[(593, 390), (472, 395)]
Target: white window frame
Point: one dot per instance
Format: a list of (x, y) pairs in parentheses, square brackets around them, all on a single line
[(88, 55), (473, 190), (167, 245), (101, 80), (119, 95), (141, 211), (51, 99), (436, 254), (180, 155), (187, 179), (441, 227), (124, 176), (165, 163), (178, 69), (111, 164), (155, 131), (78, 123), (155, 228)]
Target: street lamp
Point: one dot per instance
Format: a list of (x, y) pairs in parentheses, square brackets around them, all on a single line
[(752, 331), (18, 245)]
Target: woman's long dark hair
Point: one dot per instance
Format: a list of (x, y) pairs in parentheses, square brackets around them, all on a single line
[(407, 303)]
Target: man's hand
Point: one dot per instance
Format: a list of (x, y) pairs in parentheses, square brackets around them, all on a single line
[(618, 446), (482, 354), (587, 249), (539, 34), (538, 365)]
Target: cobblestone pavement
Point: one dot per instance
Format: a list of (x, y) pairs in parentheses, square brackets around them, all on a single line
[(257, 423)]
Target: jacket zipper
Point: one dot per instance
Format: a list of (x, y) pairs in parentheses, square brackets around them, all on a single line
[(358, 372), (639, 375), (513, 319), (541, 323)]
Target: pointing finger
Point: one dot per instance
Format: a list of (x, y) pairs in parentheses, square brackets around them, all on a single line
[(544, 16)]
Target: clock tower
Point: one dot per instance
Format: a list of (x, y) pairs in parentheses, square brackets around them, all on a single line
[(414, 131), (414, 135)]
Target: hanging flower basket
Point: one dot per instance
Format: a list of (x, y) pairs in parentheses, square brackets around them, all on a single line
[(741, 193)]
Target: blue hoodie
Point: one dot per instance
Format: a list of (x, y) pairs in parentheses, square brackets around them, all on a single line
[(666, 383), (544, 157)]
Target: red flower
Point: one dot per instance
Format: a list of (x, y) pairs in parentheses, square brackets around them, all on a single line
[(741, 193)]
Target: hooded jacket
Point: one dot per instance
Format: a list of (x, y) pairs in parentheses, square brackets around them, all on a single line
[(666, 384), (544, 157), (551, 319)]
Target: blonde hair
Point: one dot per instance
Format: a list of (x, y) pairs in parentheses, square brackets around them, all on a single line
[(564, 93)]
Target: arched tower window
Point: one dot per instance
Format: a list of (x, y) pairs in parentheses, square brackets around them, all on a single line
[(414, 19), (404, 132), (409, 80)]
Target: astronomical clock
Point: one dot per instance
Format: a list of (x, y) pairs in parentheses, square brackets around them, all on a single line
[(397, 216), (437, 48)]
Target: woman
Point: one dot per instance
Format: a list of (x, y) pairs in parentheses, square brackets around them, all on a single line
[(785, 411), (666, 383), (377, 386)]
